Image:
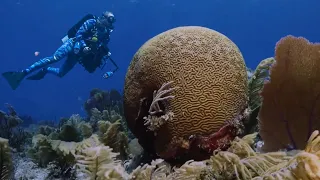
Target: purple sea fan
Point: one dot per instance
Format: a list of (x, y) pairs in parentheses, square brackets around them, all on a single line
[(290, 109)]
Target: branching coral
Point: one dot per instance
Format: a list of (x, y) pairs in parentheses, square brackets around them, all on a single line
[(227, 165), (155, 122), (255, 85), (112, 136), (159, 96), (191, 170), (75, 129), (304, 165), (96, 161), (242, 163), (45, 150), (41, 151), (99, 163), (6, 167), (256, 82), (106, 115), (103, 100), (308, 166), (110, 115), (290, 107), (157, 116), (157, 170)]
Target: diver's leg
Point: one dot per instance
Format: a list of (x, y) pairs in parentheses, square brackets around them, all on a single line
[(14, 78), (62, 52), (70, 62)]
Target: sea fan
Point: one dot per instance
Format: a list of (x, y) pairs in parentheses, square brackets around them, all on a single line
[(290, 107)]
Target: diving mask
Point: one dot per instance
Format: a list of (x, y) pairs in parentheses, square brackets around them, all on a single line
[(107, 18)]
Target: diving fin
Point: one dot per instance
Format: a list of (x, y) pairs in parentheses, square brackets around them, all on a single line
[(39, 75), (14, 78)]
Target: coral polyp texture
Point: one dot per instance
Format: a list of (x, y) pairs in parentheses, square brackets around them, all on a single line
[(203, 81), (290, 106)]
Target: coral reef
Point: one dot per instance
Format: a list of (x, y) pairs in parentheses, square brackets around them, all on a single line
[(289, 111), (10, 128), (103, 100), (74, 129), (46, 130), (49, 123), (56, 148), (241, 162), (209, 71), (26, 120), (6, 167), (197, 113), (107, 106)]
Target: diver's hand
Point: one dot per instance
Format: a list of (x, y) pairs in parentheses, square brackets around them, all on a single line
[(76, 50), (86, 49), (107, 74)]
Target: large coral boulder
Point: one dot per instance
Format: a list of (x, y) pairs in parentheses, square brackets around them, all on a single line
[(209, 75)]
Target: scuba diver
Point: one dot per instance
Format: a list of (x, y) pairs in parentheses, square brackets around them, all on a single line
[(86, 44)]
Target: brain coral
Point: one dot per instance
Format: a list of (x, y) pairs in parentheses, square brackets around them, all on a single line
[(211, 75)]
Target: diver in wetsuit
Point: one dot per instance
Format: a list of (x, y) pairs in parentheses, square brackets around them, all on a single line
[(87, 46)]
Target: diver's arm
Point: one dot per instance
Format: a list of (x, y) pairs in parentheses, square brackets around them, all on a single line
[(85, 28)]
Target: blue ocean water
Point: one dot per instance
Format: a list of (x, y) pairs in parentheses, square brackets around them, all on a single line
[(37, 25)]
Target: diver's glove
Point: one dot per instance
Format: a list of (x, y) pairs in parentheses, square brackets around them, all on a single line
[(86, 50), (107, 74)]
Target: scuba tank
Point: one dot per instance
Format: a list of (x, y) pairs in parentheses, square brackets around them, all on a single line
[(74, 29)]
